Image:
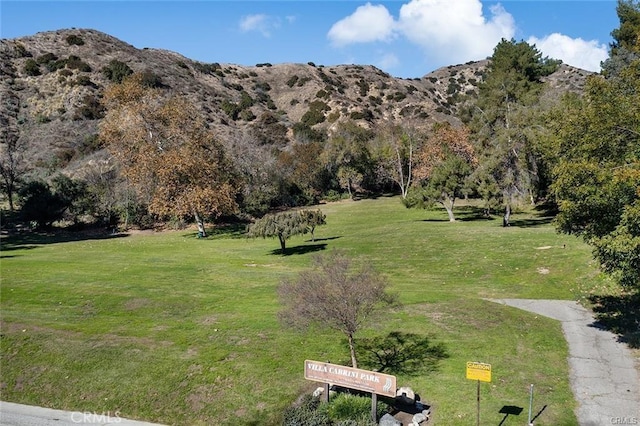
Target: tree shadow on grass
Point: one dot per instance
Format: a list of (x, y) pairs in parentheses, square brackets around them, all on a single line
[(620, 315), (289, 251), (531, 222), (229, 230), (323, 239), (401, 353), (33, 239)]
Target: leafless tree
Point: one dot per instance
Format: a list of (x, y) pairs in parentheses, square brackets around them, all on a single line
[(334, 294)]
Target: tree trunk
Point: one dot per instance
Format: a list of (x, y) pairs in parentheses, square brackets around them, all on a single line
[(201, 231), (448, 203), (352, 350), (507, 215), (283, 243)]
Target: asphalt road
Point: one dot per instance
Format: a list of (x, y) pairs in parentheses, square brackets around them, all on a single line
[(26, 415), (602, 370)]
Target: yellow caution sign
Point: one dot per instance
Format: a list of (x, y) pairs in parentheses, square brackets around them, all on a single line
[(479, 371)]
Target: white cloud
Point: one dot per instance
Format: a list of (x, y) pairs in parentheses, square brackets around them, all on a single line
[(259, 22), (368, 23), (454, 31), (388, 61), (573, 51)]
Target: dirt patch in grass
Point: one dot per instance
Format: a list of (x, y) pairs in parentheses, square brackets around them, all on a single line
[(136, 303), (70, 336)]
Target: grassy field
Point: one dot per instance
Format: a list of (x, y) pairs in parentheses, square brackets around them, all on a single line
[(173, 329)]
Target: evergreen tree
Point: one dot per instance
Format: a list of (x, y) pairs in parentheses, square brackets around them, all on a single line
[(501, 124)]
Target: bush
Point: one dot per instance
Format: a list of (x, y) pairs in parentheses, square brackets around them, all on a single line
[(74, 62), (84, 80), (347, 409), (46, 58), (74, 40), (91, 109), (31, 67), (306, 414), (292, 81), (315, 114), (116, 71), (150, 79)]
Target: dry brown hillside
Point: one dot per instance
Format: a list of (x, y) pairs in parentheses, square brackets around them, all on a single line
[(51, 86)]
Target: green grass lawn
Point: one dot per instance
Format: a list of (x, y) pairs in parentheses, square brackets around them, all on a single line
[(173, 329)]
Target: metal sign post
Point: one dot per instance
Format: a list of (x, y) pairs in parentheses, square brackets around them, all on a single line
[(530, 404), (480, 372)]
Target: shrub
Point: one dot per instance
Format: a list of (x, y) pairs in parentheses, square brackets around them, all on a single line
[(231, 109), (303, 81), (31, 67), (84, 80), (247, 115), (306, 414), (207, 68), (74, 40), (265, 64), (315, 114), (364, 87), (91, 109), (292, 81), (74, 62), (46, 58), (150, 79), (116, 71), (21, 51), (246, 101), (262, 86), (352, 409)]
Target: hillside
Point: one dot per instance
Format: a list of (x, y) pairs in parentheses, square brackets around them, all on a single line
[(51, 85)]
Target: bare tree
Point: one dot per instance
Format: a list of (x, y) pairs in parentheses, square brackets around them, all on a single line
[(335, 295)]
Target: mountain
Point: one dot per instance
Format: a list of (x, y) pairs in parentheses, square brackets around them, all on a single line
[(51, 84)]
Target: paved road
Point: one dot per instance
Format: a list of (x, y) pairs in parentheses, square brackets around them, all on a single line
[(26, 415), (602, 370)]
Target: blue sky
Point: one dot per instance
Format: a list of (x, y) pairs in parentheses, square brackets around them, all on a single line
[(406, 38)]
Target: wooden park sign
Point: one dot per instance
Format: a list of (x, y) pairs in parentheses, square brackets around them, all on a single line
[(348, 377)]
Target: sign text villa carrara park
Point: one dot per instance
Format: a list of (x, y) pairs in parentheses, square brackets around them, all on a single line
[(354, 378)]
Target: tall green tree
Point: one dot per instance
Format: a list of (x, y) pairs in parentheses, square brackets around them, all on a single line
[(507, 172), (597, 178), (625, 47)]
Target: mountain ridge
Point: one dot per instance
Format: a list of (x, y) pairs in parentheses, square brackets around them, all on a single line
[(53, 82)]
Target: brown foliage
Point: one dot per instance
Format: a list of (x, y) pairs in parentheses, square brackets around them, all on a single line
[(446, 140), (166, 151)]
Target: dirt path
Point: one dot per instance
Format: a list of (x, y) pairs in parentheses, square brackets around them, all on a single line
[(602, 370)]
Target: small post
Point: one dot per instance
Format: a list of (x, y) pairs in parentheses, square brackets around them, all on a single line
[(478, 414), (374, 407), (325, 397), (530, 404)]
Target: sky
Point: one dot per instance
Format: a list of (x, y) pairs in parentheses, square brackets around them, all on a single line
[(405, 38)]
